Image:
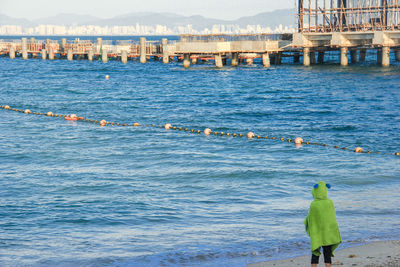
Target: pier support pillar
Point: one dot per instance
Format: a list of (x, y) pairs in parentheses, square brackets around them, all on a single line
[(104, 55), (353, 56), (321, 57), (90, 55), (343, 56), (363, 54), (99, 44), (164, 45), (218, 61), (306, 56), (235, 59), (397, 54), (278, 58), (70, 55), (62, 43), (194, 60), (142, 50), (386, 56), (51, 54), (44, 54), (265, 60), (24, 48), (124, 56), (249, 61), (186, 60), (11, 53)]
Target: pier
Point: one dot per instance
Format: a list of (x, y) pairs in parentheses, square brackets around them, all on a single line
[(348, 29)]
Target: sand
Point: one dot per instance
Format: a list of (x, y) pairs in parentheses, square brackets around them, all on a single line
[(384, 253)]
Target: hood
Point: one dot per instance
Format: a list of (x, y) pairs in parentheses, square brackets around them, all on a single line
[(321, 192)]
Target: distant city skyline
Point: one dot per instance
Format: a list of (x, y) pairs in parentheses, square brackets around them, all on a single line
[(221, 9)]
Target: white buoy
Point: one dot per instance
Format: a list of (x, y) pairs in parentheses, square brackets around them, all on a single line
[(103, 123), (358, 150), (250, 135), (27, 111), (107, 77), (298, 140), (49, 113), (207, 131), (167, 126)]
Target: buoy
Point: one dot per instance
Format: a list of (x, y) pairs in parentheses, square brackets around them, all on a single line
[(27, 111), (250, 135), (103, 123), (298, 140), (49, 113), (107, 77), (358, 150), (167, 126), (73, 117), (207, 131), (6, 107), (136, 124)]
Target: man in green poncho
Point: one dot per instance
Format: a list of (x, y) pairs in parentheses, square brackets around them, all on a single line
[(321, 225)]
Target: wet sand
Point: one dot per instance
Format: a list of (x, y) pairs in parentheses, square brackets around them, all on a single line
[(383, 253)]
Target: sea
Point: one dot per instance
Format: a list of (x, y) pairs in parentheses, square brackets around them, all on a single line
[(73, 193)]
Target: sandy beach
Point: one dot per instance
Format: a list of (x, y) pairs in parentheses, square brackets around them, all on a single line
[(376, 254)]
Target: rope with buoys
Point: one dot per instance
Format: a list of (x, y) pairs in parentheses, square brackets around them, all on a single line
[(250, 135)]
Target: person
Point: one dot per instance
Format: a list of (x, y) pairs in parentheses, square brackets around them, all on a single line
[(321, 225)]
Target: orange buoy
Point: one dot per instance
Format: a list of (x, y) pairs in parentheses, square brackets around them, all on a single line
[(207, 131), (298, 140), (358, 150), (250, 135)]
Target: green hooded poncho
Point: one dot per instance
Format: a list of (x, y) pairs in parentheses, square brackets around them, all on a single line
[(321, 224)]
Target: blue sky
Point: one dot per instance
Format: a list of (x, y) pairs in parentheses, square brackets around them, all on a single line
[(222, 9)]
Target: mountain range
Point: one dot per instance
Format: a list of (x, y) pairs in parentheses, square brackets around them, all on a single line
[(266, 19)]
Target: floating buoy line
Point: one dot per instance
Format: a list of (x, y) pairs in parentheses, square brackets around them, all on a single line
[(250, 135)]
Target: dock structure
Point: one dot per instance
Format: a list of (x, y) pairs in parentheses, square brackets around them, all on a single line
[(346, 28), (350, 26)]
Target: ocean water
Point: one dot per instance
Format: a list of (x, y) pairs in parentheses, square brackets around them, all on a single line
[(76, 194)]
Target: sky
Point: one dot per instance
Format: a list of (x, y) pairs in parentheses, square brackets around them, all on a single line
[(221, 9)]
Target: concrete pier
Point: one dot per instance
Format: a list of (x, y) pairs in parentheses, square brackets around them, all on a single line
[(44, 54), (353, 56), (24, 43), (104, 56), (51, 54), (142, 50), (124, 56), (11, 53), (363, 54), (321, 57), (164, 45), (90, 55), (385, 56), (343, 56), (235, 59), (218, 61), (306, 56), (397, 54), (186, 60), (265, 60), (70, 55)]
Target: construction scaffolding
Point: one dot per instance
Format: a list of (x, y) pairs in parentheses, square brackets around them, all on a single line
[(347, 15)]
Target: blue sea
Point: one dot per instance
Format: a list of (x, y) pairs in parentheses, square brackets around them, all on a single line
[(77, 194)]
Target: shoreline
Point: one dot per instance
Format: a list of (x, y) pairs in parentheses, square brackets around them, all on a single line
[(374, 254)]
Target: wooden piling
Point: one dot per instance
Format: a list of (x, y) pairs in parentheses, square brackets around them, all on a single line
[(104, 55), (363, 53), (164, 45), (11, 53), (306, 56), (343, 56), (124, 56), (24, 43), (90, 55), (321, 57), (385, 56), (397, 54), (265, 60), (353, 56), (143, 50), (186, 60), (51, 54), (218, 60), (44, 54), (70, 55), (235, 59)]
